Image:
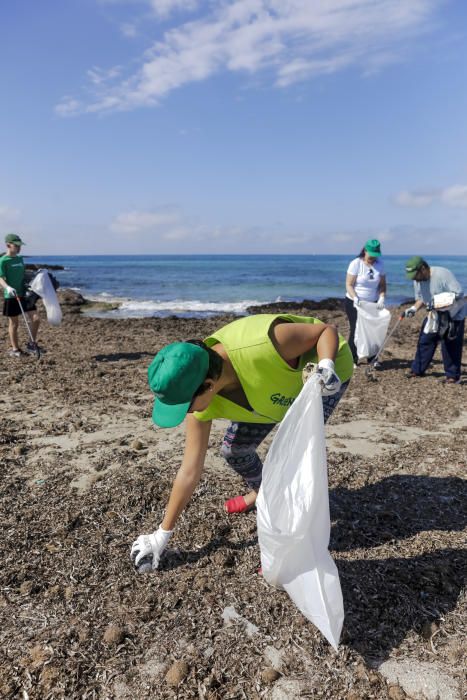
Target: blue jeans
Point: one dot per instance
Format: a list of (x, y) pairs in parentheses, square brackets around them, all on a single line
[(451, 350), (242, 439)]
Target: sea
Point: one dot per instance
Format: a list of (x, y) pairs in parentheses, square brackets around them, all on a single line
[(207, 285)]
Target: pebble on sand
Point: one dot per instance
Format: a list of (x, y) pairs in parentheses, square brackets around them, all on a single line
[(177, 673), (269, 675), (114, 634)]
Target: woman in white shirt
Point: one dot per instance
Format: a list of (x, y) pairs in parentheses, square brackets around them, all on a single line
[(365, 281)]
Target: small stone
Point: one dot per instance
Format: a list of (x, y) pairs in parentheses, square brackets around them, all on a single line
[(428, 629), (137, 445), (26, 587), (395, 692), (68, 592), (19, 450), (269, 675), (177, 673), (52, 548), (114, 634), (361, 672)]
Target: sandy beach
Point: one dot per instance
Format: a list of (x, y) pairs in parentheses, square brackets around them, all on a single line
[(84, 471)]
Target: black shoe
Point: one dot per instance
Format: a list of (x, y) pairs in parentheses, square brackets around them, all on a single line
[(33, 349)]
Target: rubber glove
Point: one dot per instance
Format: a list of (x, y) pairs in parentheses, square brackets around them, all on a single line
[(356, 302), (330, 382), (147, 549), (409, 313), (381, 302), (11, 291)]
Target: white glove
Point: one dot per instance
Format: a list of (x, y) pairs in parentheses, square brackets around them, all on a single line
[(356, 302), (147, 549), (409, 313), (380, 302), (11, 291), (330, 382)]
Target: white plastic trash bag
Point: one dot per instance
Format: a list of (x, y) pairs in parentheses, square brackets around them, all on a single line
[(293, 515), (43, 287), (443, 300), (370, 331)]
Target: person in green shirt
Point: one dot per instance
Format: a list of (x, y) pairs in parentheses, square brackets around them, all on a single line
[(12, 283), (250, 372)]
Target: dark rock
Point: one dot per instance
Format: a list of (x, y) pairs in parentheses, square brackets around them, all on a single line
[(68, 297), (330, 304), (42, 266)]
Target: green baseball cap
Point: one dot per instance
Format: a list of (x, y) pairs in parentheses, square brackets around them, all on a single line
[(413, 265), (14, 238), (174, 376), (373, 247)]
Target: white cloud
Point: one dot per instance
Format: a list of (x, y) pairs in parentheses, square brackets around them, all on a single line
[(414, 199), (98, 76), (164, 8), (454, 196), (129, 30), (68, 107), (169, 229), (285, 41), (143, 221)]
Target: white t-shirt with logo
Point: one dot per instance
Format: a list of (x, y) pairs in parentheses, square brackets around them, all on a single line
[(368, 278)]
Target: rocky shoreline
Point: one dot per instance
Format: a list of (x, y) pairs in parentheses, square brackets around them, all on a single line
[(73, 302)]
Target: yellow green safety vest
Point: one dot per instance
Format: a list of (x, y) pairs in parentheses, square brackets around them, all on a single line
[(269, 383)]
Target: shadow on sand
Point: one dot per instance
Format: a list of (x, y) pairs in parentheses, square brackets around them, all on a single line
[(117, 356)]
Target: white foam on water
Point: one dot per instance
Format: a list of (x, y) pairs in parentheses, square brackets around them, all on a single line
[(184, 307)]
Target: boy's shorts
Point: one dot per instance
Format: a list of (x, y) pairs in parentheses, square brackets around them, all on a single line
[(11, 307)]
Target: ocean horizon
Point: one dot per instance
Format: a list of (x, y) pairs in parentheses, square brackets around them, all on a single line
[(207, 285)]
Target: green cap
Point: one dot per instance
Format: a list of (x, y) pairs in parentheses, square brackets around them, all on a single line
[(14, 238), (373, 248), (413, 265), (174, 375)]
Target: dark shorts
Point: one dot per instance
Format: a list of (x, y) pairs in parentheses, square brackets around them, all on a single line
[(11, 307)]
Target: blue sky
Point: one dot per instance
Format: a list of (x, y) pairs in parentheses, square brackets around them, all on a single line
[(236, 126)]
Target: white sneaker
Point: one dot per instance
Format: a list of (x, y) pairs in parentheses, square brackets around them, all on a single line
[(14, 353)]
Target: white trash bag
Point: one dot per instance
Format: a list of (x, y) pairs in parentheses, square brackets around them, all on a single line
[(43, 287), (293, 515), (370, 331)]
